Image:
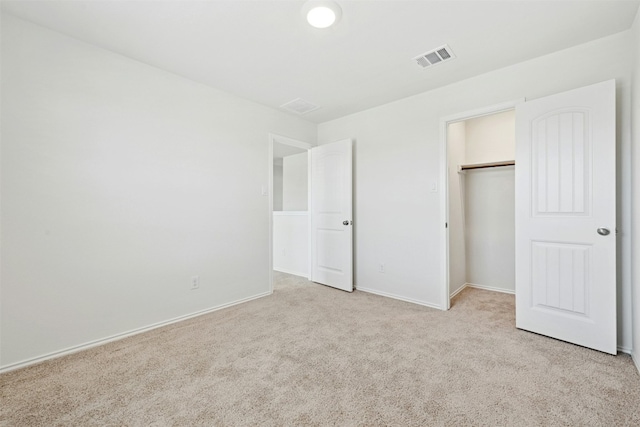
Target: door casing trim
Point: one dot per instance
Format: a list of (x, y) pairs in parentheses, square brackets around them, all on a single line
[(444, 179)]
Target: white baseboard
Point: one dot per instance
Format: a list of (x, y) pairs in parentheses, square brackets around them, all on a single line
[(625, 350), (116, 337), (490, 288), (460, 289), (636, 359), (388, 295), (486, 288), (295, 273)]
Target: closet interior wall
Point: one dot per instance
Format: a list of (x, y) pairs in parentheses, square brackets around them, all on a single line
[(482, 204)]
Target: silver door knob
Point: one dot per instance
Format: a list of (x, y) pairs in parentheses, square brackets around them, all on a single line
[(603, 231), (345, 222)]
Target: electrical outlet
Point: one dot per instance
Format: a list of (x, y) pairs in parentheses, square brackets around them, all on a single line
[(195, 282), (381, 268)]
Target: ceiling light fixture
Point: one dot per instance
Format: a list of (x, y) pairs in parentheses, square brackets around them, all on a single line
[(321, 13)]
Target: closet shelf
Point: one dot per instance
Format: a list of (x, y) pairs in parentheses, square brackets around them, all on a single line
[(486, 165)]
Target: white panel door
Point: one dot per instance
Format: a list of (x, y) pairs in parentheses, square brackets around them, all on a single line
[(331, 215), (565, 216)]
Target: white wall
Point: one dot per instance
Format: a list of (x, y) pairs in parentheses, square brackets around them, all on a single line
[(490, 227), (491, 138), (456, 156), (120, 181), (295, 194), (397, 155), (291, 242), (635, 121), (277, 184)]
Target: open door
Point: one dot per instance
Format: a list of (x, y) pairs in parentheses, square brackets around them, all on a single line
[(331, 215), (565, 216)]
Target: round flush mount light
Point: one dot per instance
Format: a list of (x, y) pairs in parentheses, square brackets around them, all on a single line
[(321, 14)]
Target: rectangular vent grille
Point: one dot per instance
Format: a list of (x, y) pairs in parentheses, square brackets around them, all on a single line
[(299, 106), (435, 56)]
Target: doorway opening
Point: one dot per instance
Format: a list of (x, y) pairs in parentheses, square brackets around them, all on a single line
[(478, 198), (481, 153), (289, 201)]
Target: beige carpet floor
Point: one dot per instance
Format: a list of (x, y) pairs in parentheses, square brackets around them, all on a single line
[(312, 355)]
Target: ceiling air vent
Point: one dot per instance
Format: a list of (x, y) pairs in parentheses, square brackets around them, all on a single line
[(299, 106), (435, 56)]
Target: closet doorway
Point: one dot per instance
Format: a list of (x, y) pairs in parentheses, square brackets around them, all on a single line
[(480, 201)]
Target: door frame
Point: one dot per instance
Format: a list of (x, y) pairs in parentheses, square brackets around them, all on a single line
[(285, 140), (445, 302)]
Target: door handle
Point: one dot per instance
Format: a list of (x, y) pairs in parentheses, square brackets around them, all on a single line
[(603, 231), (346, 222)]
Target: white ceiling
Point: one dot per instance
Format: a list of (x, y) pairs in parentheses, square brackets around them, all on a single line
[(264, 50)]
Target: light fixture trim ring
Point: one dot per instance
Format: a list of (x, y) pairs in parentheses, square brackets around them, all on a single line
[(321, 13)]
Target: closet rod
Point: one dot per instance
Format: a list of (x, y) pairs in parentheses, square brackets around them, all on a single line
[(487, 165)]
